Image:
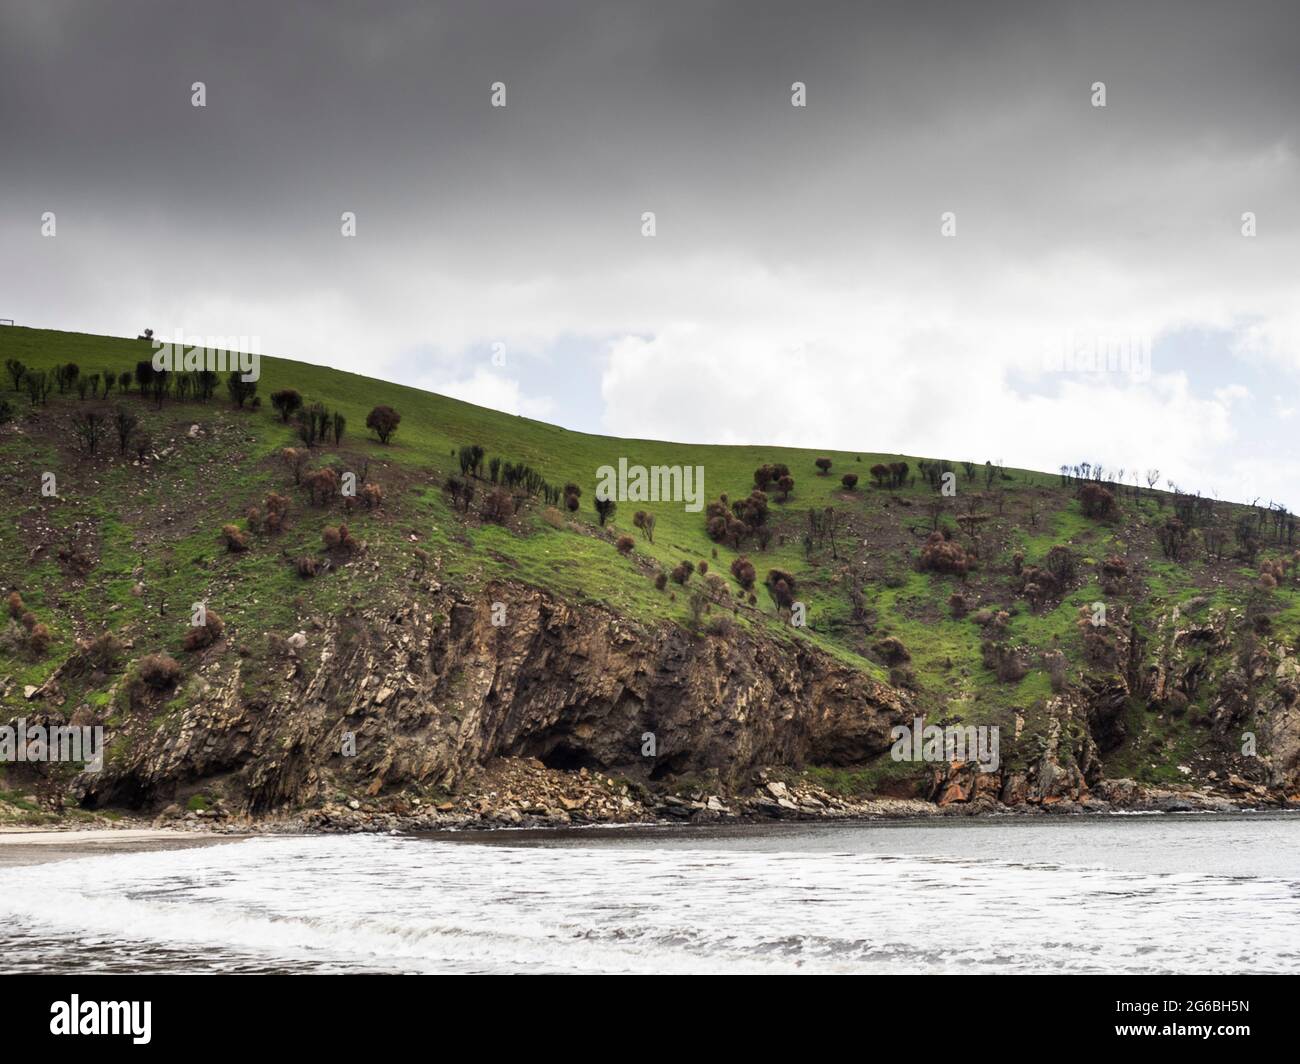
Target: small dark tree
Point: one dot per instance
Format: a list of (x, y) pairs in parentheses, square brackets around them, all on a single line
[(159, 384), (849, 480), (126, 423), (743, 570), (205, 384), (16, 371), (781, 585), (37, 383), (605, 509), (383, 421), (313, 424), (823, 466), (471, 457), (461, 492), (65, 375), (287, 402), (646, 523), (240, 390), (144, 376), (337, 424), (89, 426)]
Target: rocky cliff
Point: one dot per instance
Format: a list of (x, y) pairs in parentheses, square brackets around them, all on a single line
[(421, 700), (425, 695)]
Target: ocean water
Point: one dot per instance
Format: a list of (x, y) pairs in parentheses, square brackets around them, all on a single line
[(1133, 894)]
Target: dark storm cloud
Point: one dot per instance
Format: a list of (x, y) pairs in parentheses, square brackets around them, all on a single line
[(384, 104), (779, 228)]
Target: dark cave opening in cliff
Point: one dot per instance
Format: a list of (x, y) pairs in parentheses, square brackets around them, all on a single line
[(568, 758)]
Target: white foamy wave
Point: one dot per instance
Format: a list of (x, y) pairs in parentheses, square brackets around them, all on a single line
[(403, 904)]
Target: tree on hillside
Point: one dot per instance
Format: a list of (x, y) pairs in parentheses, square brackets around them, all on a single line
[(287, 402), (313, 424), (240, 390), (605, 509), (646, 523), (16, 371), (144, 375), (471, 457), (461, 492), (823, 466), (767, 475), (383, 421), (89, 426), (1096, 501), (126, 423), (65, 375), (159, 385), (37, 383), (205, 383), (743, 570)]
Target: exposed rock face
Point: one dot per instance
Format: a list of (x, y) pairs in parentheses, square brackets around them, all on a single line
[(378, 703), (434, 690)]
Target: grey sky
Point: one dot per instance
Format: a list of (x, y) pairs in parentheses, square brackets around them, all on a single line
[(797, 291)]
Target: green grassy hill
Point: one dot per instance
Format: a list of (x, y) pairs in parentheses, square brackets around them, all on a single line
[(128, 545)]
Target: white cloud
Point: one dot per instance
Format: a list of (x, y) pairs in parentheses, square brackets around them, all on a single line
[(493, 390)]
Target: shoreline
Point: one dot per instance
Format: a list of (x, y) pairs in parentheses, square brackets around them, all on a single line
[(22, 846), (29, 847)]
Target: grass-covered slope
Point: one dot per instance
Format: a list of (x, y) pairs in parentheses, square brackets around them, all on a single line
[(128, 545)]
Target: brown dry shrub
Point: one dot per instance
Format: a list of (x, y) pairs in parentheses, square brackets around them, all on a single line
[(103, 651), (321, 485), (38, 640), (892, 651), (944, 556), (234, 538), (158, 671), (204, 635), (498, 506)]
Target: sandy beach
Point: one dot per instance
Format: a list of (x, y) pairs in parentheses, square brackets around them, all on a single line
[(38, 847)]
